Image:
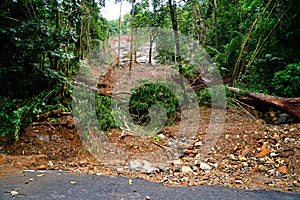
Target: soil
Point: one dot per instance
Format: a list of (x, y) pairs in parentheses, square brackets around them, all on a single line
[(249, 153)]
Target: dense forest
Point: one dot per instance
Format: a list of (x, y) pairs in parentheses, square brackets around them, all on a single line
[(44, 43)]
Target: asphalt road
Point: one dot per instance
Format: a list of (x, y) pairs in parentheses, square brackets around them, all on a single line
[(45, 185)]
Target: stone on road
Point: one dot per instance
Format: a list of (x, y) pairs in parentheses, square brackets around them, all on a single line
[(62, 185)]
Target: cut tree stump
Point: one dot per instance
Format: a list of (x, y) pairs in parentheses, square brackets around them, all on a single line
[(288, 105)]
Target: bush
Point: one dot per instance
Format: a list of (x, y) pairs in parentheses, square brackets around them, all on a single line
[(104, 113), (148, 95), (286, 83), (10, 120), (19, 113)]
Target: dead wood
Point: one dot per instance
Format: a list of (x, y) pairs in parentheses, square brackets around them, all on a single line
[(224, 80), (289, 105), (54, 113)]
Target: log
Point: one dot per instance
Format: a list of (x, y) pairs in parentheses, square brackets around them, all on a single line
[(288, 105), (103, 91), (224, 80), (54, 113)]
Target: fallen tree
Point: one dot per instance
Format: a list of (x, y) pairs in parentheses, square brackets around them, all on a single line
[(203, 85), (289, 105)]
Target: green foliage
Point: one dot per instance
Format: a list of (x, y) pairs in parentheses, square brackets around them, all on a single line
[(212, 95), (286, 82), (255, 80), (204, 97), (9, 119), (16, 114), (42, 42), (148, 95), (104, 113)]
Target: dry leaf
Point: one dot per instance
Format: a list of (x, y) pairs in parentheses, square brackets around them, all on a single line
[(283, 169), (130, 181), (264, 153), (264, 147), (40, 175), (255, 169), (42, 167), (14, 193)]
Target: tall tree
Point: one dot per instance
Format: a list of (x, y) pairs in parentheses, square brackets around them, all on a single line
[(131, 36)]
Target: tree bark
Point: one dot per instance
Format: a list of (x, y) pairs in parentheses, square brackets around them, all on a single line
[(132, 32), (172, 7), (225, 79), (215, 24), (119, 41), (288, 105)]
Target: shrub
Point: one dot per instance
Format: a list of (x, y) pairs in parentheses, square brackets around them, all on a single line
[(286, 82), (9, 118), (104, 113), (148, 95)]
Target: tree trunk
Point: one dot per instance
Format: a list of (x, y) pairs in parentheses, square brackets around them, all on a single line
[(288, 105), (150, 49), (215, 24), (119, 41), (153, 36), (225, 79), (172, 7), (131, 42), (175, 29)]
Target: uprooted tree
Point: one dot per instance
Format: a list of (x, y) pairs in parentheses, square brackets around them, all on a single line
[(288, 105)]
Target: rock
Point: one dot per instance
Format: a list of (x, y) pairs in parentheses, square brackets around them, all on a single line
[(244, 164), (283, 169), (205, 166), (216, 165), (43, 137), (198, 144), (143, 166), (177, 162), (232, 157), (120, 170), (3, 159), (135, 165), (242, 158), (195, 169), (50, 163), (161, 136), (271, 171), (162, 168), (148, 168), (262, 160), (273, 154), (239, 181), (186, 169), (245, 152), (282, 118), (261, 178), (262, 168)]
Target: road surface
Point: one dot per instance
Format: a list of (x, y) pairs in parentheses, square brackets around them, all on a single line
[(45, 185)]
